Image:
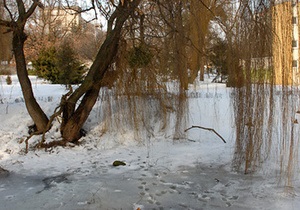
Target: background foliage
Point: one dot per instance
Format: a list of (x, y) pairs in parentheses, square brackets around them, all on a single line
[(60, 66)]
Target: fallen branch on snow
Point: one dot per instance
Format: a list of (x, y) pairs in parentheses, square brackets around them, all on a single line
[(208, 129)]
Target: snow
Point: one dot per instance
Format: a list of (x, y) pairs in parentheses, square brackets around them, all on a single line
[(160, 172)]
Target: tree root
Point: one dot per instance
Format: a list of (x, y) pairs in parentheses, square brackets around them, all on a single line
[(29, 137), (208, 129), (57, 112), (61, 143), (33, 132)]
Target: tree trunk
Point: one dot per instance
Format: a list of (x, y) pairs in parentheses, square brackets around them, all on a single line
[(38, 116), (73, 120), (71, 130)]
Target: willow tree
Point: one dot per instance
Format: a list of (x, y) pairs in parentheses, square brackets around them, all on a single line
[(201, 14), (266, 102), (74, 115), (152, 50)]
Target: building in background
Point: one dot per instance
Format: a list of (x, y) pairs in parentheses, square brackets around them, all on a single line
[(60, 21)]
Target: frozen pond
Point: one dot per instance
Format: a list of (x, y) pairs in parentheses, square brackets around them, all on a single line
[(155, 182), (192, 172)]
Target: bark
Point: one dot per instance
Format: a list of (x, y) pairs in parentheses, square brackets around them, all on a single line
[(36, 113), (71, 130), (73, 119)]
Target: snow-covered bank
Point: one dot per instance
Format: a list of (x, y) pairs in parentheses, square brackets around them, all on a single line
[(160, 173)]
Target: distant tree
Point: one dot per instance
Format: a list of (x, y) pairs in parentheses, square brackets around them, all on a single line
[(60, 66), (5, 39), (139, 57), (88, 41), (217, 54), (71, 70), (45, 66)]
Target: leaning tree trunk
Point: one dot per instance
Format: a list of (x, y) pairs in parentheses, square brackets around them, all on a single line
[(38, 116), (74, 118), (71, 130)]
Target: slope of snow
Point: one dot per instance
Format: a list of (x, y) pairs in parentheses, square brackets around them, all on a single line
[(160, 173)]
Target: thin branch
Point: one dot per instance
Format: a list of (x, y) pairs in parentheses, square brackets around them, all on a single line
[(36, 3), (208, 129), (6, 23), (7, 9), (28, 138)]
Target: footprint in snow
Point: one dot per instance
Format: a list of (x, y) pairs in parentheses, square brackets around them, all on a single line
[(228, 200)]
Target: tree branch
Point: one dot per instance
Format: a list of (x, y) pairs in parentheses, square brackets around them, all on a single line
[(32, 8), (9, 12), (5, 23), (208, 129), (21, 8), (99, 66)]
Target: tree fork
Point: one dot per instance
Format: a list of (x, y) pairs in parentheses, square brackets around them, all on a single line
[(71, 130), (73, 120)]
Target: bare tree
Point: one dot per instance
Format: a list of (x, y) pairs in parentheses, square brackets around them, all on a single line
[(16, 22), (73, 116)]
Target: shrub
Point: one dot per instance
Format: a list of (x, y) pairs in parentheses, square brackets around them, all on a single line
[(59, 66), (46, 65), (5, 71), (8, 80), (70, 68)]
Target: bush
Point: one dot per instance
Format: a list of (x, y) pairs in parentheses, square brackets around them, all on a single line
[(5, 71), (71, 69), (59, 66), (46, 65), (8, 80)]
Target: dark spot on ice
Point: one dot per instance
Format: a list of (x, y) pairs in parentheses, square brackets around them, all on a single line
[(118, 163), (50, 182), (173, 187), (3, 172)]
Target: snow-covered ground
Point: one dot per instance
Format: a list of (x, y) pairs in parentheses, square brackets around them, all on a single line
[(160, 173)]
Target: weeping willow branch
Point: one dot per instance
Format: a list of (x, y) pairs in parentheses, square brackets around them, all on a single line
[(208, 129)]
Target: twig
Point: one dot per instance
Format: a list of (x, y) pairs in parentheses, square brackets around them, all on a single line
[(29, 137), (208, 129)]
